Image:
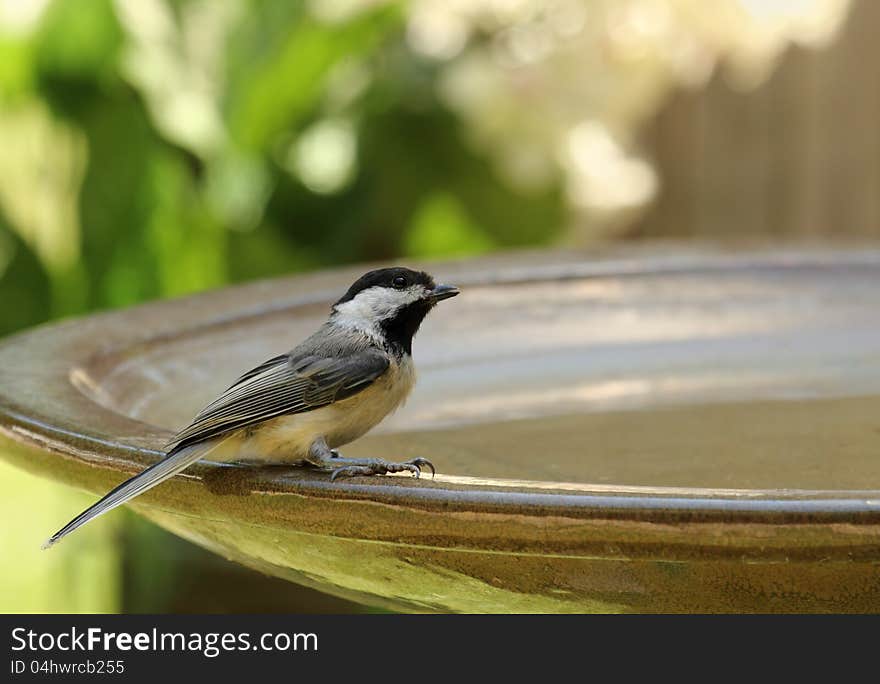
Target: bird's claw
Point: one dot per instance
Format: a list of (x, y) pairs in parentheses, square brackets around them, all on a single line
[(421, 463), (380, 467)]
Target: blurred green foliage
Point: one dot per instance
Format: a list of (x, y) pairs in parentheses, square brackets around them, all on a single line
[(131, 187), (152, 148), (82, 578)]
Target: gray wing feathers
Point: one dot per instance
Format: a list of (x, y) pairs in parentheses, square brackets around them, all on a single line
[(282, 386), (303, 380)]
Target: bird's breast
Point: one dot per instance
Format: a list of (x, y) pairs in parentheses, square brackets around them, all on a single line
[(288, 438)]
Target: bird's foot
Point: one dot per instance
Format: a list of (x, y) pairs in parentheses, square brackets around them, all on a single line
[(323, 457), (378, 466)]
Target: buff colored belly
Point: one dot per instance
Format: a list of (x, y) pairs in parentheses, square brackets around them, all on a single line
[(287, 439)]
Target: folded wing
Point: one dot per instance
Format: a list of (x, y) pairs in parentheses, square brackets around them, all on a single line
[(282, 386)]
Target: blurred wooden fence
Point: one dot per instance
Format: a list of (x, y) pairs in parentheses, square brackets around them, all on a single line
[(797, 157)]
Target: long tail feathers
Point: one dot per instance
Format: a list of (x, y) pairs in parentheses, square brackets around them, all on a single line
[(168, 467)]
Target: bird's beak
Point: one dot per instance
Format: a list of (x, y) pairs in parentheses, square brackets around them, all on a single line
[(443, 292)]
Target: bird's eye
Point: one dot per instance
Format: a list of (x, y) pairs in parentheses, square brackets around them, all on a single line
[(399, 282)]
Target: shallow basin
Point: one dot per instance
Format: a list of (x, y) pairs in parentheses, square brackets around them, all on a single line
[(633, 431)]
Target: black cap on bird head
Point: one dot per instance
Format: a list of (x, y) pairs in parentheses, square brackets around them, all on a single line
[(393, 301), (398, 278)]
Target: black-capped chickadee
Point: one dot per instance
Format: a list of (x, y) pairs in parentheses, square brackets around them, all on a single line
[(298, 407)]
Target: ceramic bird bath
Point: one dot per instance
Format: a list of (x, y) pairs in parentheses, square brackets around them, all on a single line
[(637, 431)]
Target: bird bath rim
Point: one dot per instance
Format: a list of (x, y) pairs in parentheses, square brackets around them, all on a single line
[(93, 433), (51, 422)]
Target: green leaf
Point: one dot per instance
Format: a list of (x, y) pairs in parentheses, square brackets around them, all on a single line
[(442, 227), (277, 89)]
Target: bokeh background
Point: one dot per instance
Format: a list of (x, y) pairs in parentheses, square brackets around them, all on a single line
[(152, 148)]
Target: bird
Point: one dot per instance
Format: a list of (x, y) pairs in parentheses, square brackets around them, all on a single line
[(298, 408)]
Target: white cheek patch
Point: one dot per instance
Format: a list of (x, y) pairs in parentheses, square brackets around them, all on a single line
[(373, 305)]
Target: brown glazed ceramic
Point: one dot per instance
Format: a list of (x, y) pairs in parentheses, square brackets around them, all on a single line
[(640, 431)]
